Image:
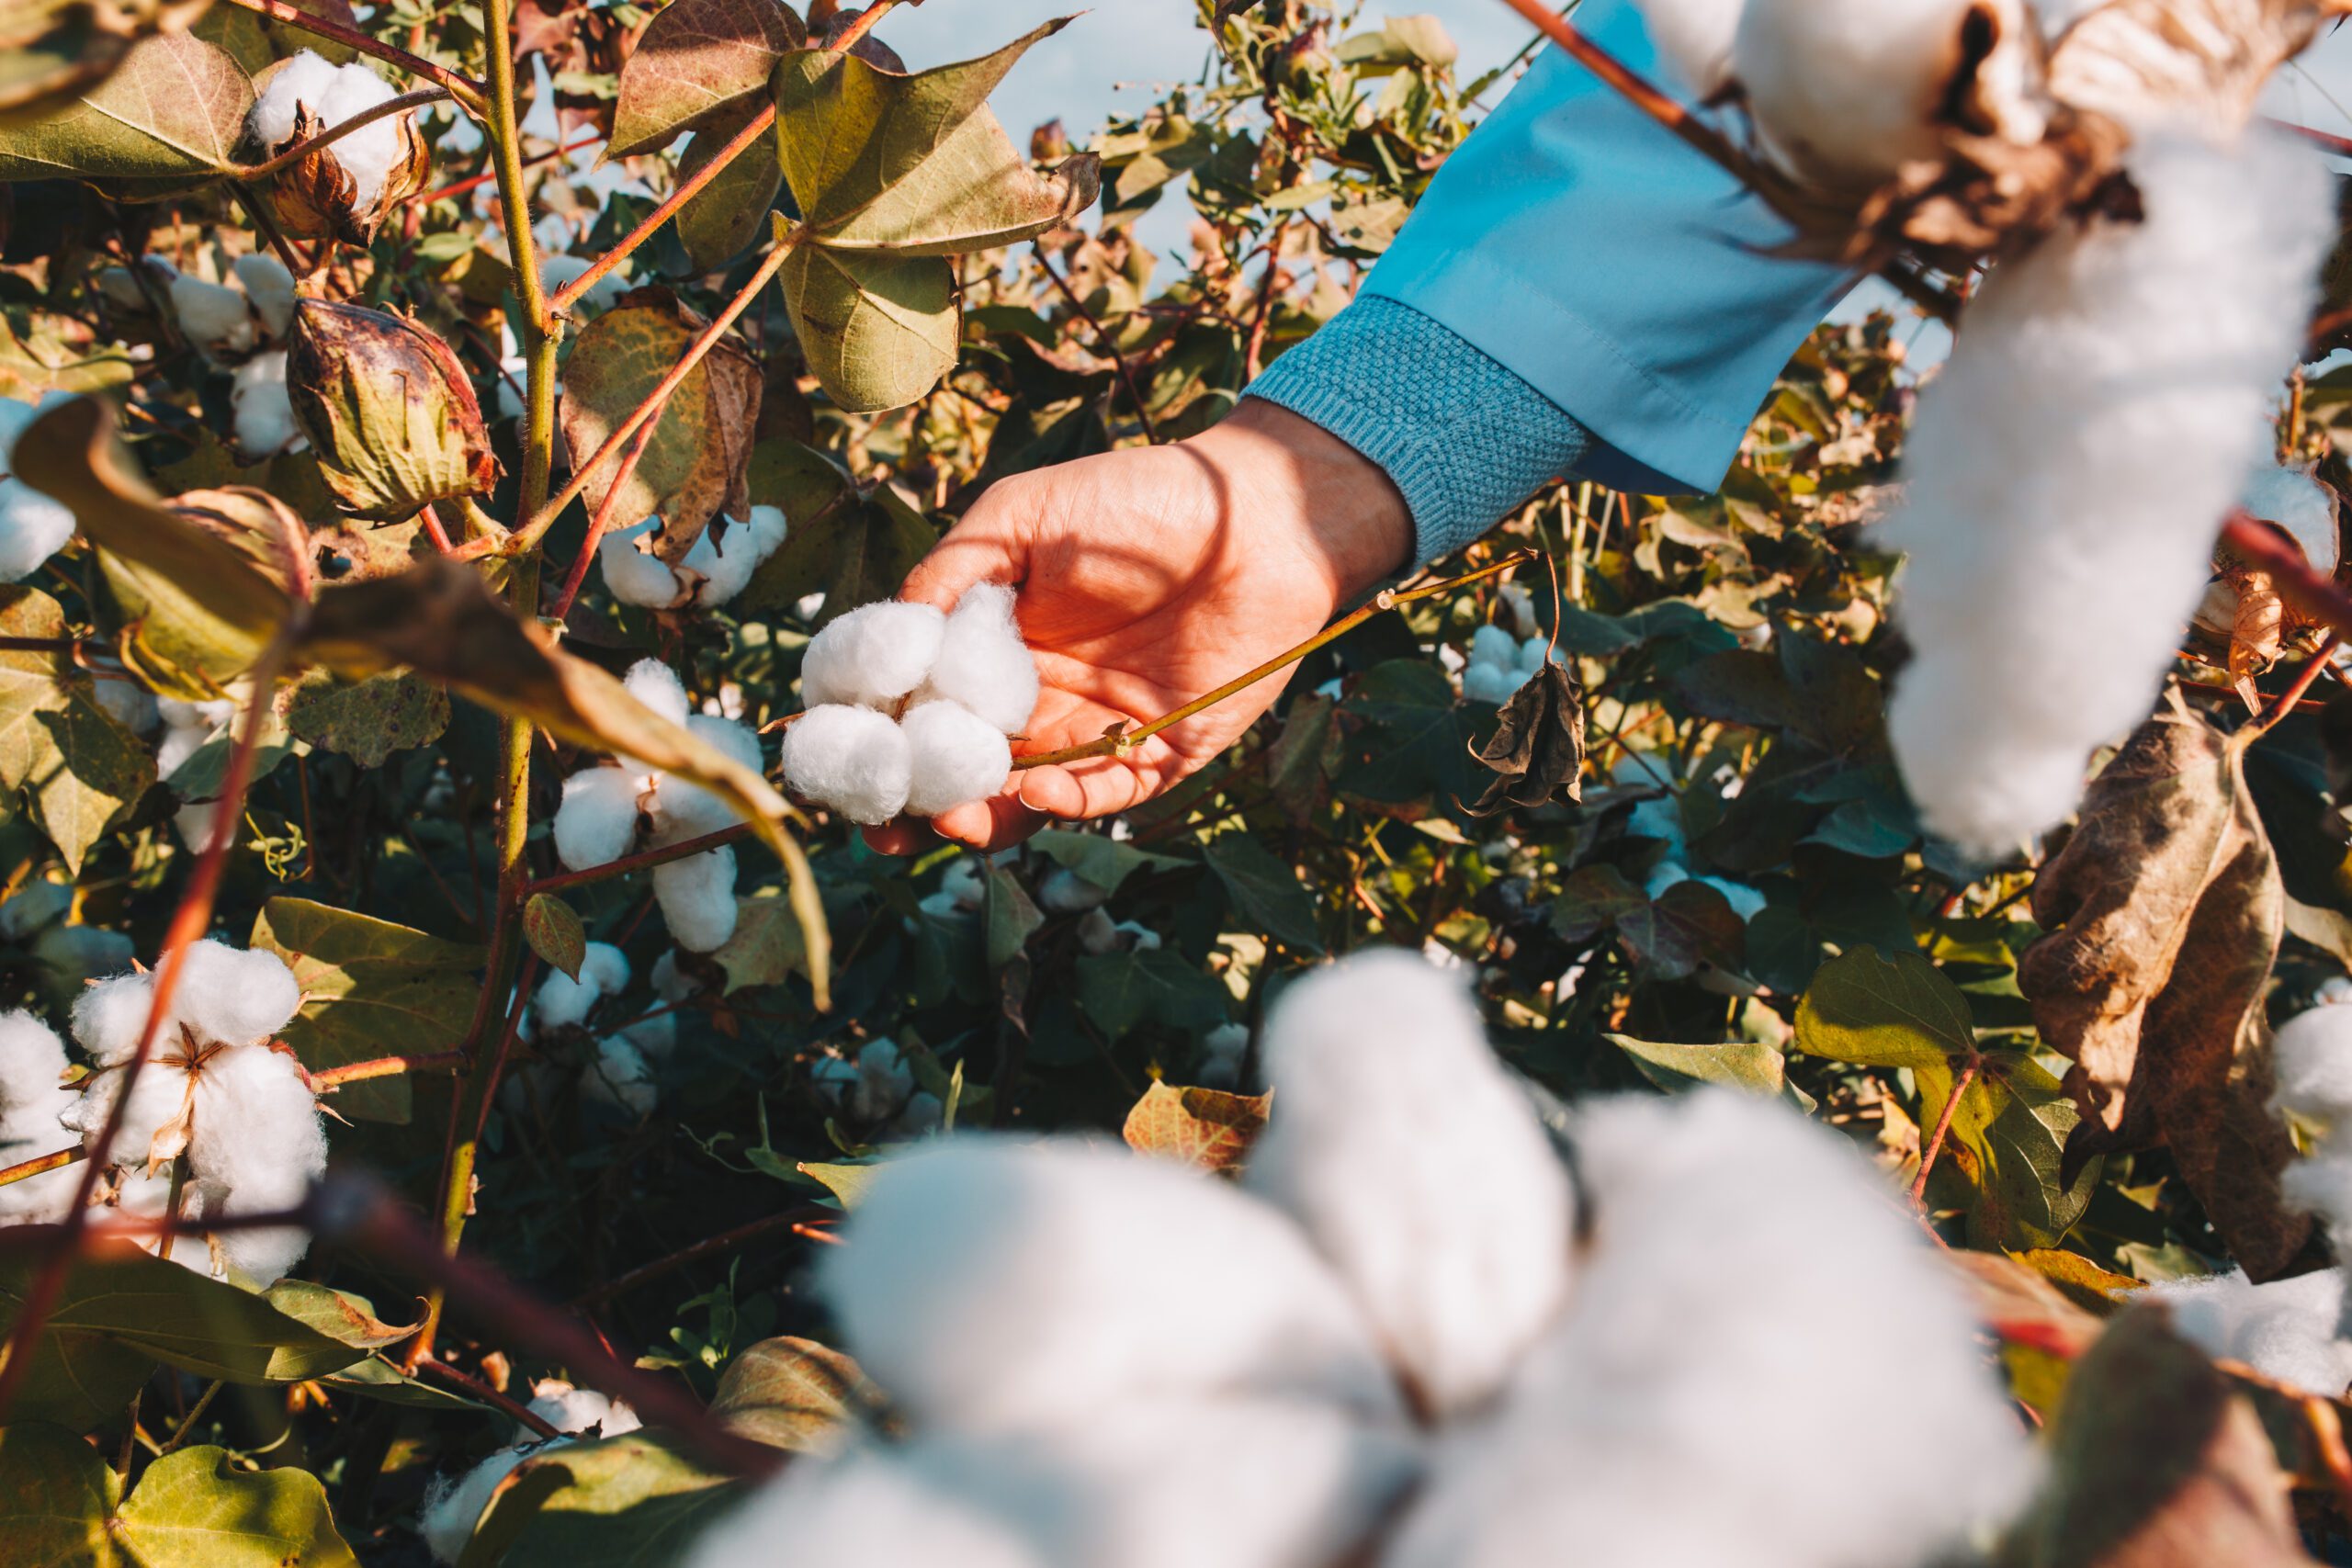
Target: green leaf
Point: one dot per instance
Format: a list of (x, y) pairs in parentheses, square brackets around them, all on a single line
[(699, 63), (56, 1498), (1884, 1012), (79, 763), (173, 109), (794, 1395), (2007, 1140), (552, 928), (345, 1318), (1009, 919), (626, 1501), (369, 988), (767, 947), (374, 1377), (1411, 746), (846, 1182), (1206, 1128), (1739, 1063), (1098, 858), (368, 720), (192, 1507), (726, 214), (878, 331), (1120, 990), (1265, 891)]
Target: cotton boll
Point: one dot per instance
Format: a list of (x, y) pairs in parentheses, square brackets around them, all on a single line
[(597, 821), (2313, 1056), (670, 982), (270, 288), (1391, 1105), (1846, 92), (1533, 655), (965, 881), (2292, 499), (156, 1102), (868, 1506), (686, 810), (200, 824), (2286, 1329), (31, 1059), (233, 996), (983, 664), (631, 576), (991, 1286), (853, 760), (657, 686), (219, 321), (574, 1411), (620, 1078), (954, 756), (1097, 933), (1495, 684), (1678, 1416), (33, 526), (122, 288), (767, 527), (725, 570), (1694, 37), (1140, 938), (256, 1128), (873, 656), (450, 1512), (107, 1018), (308, 78), (654, 1037), (32, 1125), (1492, 645), (697, 899), (370, 153), (263, 415), (2122, 373), (561, 1001), (1064, 892)]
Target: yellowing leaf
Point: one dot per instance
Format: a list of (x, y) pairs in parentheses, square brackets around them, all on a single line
[(196, 1506), (794, 1395), (552, 928), (1203, 1127), (878, 331), (175, 108), (56, 1497)]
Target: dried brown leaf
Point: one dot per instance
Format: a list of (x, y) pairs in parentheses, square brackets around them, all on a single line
[(1537, 752)]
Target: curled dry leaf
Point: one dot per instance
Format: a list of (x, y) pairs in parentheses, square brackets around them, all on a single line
[(2164, 912), (699, 64), (1537, 752), (389, 409)]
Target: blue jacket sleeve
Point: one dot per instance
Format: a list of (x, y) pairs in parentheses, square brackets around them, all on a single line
[(1605, 268)]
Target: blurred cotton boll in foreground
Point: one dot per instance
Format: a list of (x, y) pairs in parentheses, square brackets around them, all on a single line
[(2285, 1329), (2070, 467), (33, 528)]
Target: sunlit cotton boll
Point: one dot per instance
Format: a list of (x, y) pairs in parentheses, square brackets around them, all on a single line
[(2070, 467), (31, 1101), (2286, 1329), (577, 1410), (853, 760), (697, 899), (1393, 1106), (2294, 500), (233, 996), (1694, 37), (726, 567), (270, 288), (633, 576), (873, 656), (307, 77), (263, 414), (109, 1015), (953, 756), (657, 686), (2311, 1055), (217, 320), (596, 823), (1494, 683), (1679, 1415), (452, 1509), (334, 94), (982, 663), (33, 526), (991, 1286)]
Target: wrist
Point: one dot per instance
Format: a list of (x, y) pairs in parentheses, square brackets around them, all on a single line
[(1288, 473)]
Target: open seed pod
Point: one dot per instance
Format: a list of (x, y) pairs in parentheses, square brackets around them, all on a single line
[(2243, 611), (388, 408), (321, 193)]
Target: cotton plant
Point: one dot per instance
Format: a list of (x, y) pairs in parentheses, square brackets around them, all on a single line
[(876, 1090), (216, 1091), (452, 1507), (1500, 664), (307, 85), (909, 710), (711, 574), (33, 526), (1098, 1359), (623, 1073), (609, 811)]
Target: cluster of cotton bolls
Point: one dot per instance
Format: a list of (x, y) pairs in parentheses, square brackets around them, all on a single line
[(876, 1090), (623, 1073), (1105, 1360), (909, 710), (36, 919), (713, 571), (1500, 664), (334, 94), (33, 526), (599, 820), (239, 324), (215, 1090), (452, 1508)]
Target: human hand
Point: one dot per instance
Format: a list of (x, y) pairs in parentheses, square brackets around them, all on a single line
[(1147, 576)]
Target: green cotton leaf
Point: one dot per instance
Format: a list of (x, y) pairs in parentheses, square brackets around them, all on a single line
[(174, 109), (1265, 891), (368, 720), (1884, 1012), (2007, 1140), (1010, 919), (794, 1395), (1411, 745), (79, 764), (375, 1378), (1737, 1064), (552, 928), (78, 1379), (1121, 990), (699, 64), (195, 1506), (625, 1502), (340, 1316), (1100, 860), (56, 1498), (846, 1182), (726, 214), (878, 331), (370, 988)]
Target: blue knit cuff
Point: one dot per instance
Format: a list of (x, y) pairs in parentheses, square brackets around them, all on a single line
[(1464, 439)]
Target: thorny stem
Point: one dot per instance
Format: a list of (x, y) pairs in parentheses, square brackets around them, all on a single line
[(39, 1163), (464, 89), (1121, 742), (188, 922), (760, 125), (335, 133), (1943, 1127), (1103, 341)]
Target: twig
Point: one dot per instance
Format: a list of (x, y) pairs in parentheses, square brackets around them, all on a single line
[(597, 525), (762, 124), (187, 1428), (475, 182), (642, 860), (330, 1078), (36, 1166), (1943, 1126), (474, 1388), (335, 133), (726, 1241), (1103, 341), (468, 92), (862, 24)]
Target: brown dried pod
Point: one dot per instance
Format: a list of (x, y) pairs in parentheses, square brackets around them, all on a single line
[(388, 408)]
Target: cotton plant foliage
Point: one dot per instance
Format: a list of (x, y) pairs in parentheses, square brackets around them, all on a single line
[(1102, 1358), (909, 710)]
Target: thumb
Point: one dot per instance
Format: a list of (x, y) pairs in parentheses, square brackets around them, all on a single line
[(987, 546)]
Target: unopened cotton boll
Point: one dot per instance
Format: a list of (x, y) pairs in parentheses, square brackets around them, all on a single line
[(873, 656), (697, 899), (657, 686), (1391, 1106), (265, 415), (270, 288), (596, 823), (233, 996), (982, 663), (1694, 37), (631, 576), (2286, 1329), (2122, 372), (954, 757), (2311, 1055), (216, 318), (853, 760), (1676, 1415), (868, 1506), (991, 1286)]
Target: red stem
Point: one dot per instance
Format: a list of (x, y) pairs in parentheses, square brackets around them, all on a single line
[(2260, 546), (474, 1388), (465, 89), (1943, 1126), (40, 1163), (603, 518), (760, 124), (475, 182)]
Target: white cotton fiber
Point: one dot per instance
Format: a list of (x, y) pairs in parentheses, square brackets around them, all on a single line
[(2286, 1329), (726, 569), (31, 1101), (131, 704), (218, 320), (954, 756), (161, 1094), (657, 686), (259, 1257), (1494, 683), (989, 1286), (871, 1088), (257, 1129), (31, 1060), (683, 809), (332, 94), (1694, 37), (867, 1507), (561, 1001), (108, 1017), (1389, 1107), (2294, 500), (1682, 1413), (597, 821), (33, 526), (850, 760), (231, 996), (263, 414), (1492, 645), (631, 576), (2311, 1055), (873, 656), (670, 982), (620, 1078), (308, 78), (2069, 470), (1846, 92), (450, 1512), (575, 1410), (983, 664), (1064, 892), (270, 288), (697, 899)]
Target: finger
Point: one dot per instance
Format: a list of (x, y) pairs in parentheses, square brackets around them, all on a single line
[(986, 546), (907, 836), (989, 825), (1081, 793)]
